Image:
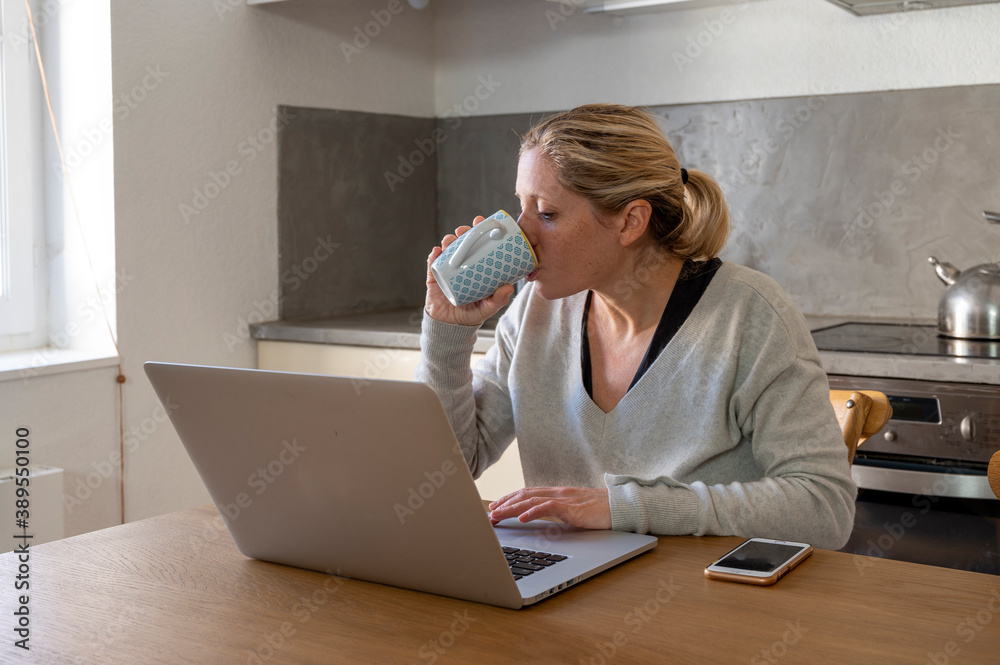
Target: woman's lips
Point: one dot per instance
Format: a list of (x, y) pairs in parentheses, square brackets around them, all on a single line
[(531, 276)]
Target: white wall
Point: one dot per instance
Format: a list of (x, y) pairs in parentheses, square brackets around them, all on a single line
[(545, 60)]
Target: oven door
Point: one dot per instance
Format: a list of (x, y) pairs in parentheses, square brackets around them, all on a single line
[(923, 492), (935, 516)]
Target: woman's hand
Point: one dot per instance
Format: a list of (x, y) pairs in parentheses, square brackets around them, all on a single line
[(473, 314), (585, 507)]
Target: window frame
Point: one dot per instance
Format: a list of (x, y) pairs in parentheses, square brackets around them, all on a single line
[(21, 149)]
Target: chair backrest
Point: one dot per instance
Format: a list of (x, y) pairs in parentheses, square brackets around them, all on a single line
[(861, 413), (993, 472)]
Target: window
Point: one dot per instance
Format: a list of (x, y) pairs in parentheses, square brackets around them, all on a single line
[(20, 175)]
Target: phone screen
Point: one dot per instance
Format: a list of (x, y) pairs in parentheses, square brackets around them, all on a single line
[(759, 557)]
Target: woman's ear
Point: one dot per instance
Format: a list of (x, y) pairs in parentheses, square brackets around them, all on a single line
[(633, 221)]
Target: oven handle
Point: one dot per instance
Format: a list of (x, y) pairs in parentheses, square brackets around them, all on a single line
[(929, 483)]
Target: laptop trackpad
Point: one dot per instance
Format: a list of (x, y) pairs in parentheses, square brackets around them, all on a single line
[(537, 534)]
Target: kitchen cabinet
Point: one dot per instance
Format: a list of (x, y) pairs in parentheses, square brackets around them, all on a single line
[(376, 362)]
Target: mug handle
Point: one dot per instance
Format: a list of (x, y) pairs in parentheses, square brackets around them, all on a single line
[(470, 238)]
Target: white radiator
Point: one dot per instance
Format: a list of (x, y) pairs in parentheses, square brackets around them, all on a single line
[(45, 509)]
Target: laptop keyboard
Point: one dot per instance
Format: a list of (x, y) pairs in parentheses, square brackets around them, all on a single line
[(526, 562)]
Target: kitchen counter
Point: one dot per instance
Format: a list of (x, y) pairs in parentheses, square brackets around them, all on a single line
[(397, 328), (401, 329)]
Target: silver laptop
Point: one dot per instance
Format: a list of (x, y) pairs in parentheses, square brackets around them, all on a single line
[(365, 480)]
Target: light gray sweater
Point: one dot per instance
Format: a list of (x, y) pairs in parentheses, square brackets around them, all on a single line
[(729, 432)]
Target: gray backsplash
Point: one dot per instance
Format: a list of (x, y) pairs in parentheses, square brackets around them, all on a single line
[(477, 167), (840, 198), (332, 188)]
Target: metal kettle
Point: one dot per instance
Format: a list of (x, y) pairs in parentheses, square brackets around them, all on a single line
[(970, 306)]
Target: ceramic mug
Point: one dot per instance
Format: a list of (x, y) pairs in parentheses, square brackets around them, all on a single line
[(493, 253)]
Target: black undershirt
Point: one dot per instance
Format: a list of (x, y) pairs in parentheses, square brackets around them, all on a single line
[(694, 279)]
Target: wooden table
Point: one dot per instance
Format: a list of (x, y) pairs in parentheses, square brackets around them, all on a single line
[(174, 589)]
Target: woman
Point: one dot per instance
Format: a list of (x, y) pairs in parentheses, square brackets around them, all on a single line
[(651, 386)]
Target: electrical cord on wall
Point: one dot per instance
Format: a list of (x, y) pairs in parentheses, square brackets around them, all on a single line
[(90, 263)]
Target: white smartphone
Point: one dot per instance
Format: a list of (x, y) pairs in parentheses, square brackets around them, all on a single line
[(759, 561)]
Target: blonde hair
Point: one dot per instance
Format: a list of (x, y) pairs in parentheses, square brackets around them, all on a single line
[(613, 155)]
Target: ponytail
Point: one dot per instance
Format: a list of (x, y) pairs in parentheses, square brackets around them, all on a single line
[(705, 228)]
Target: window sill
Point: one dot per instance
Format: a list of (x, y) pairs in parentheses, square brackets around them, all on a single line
[(33, 363)]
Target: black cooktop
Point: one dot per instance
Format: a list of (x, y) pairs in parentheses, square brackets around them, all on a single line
[(900, 339)]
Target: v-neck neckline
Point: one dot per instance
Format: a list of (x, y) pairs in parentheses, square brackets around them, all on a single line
[(685, 297)]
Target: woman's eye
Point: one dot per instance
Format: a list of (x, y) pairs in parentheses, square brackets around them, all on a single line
[(547, 216)]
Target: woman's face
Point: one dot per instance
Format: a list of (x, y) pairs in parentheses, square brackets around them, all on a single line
[(575, 251)]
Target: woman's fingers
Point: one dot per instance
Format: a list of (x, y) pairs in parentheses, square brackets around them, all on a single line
[(438, 307), (585, 507)]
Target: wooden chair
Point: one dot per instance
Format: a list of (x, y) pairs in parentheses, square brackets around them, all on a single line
[(861, 414), (993, 473)]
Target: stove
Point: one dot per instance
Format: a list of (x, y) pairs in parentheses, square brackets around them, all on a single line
[(923, 491), (901, 339)]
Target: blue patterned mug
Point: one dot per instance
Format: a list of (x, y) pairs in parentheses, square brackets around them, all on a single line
[(493, 253)]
